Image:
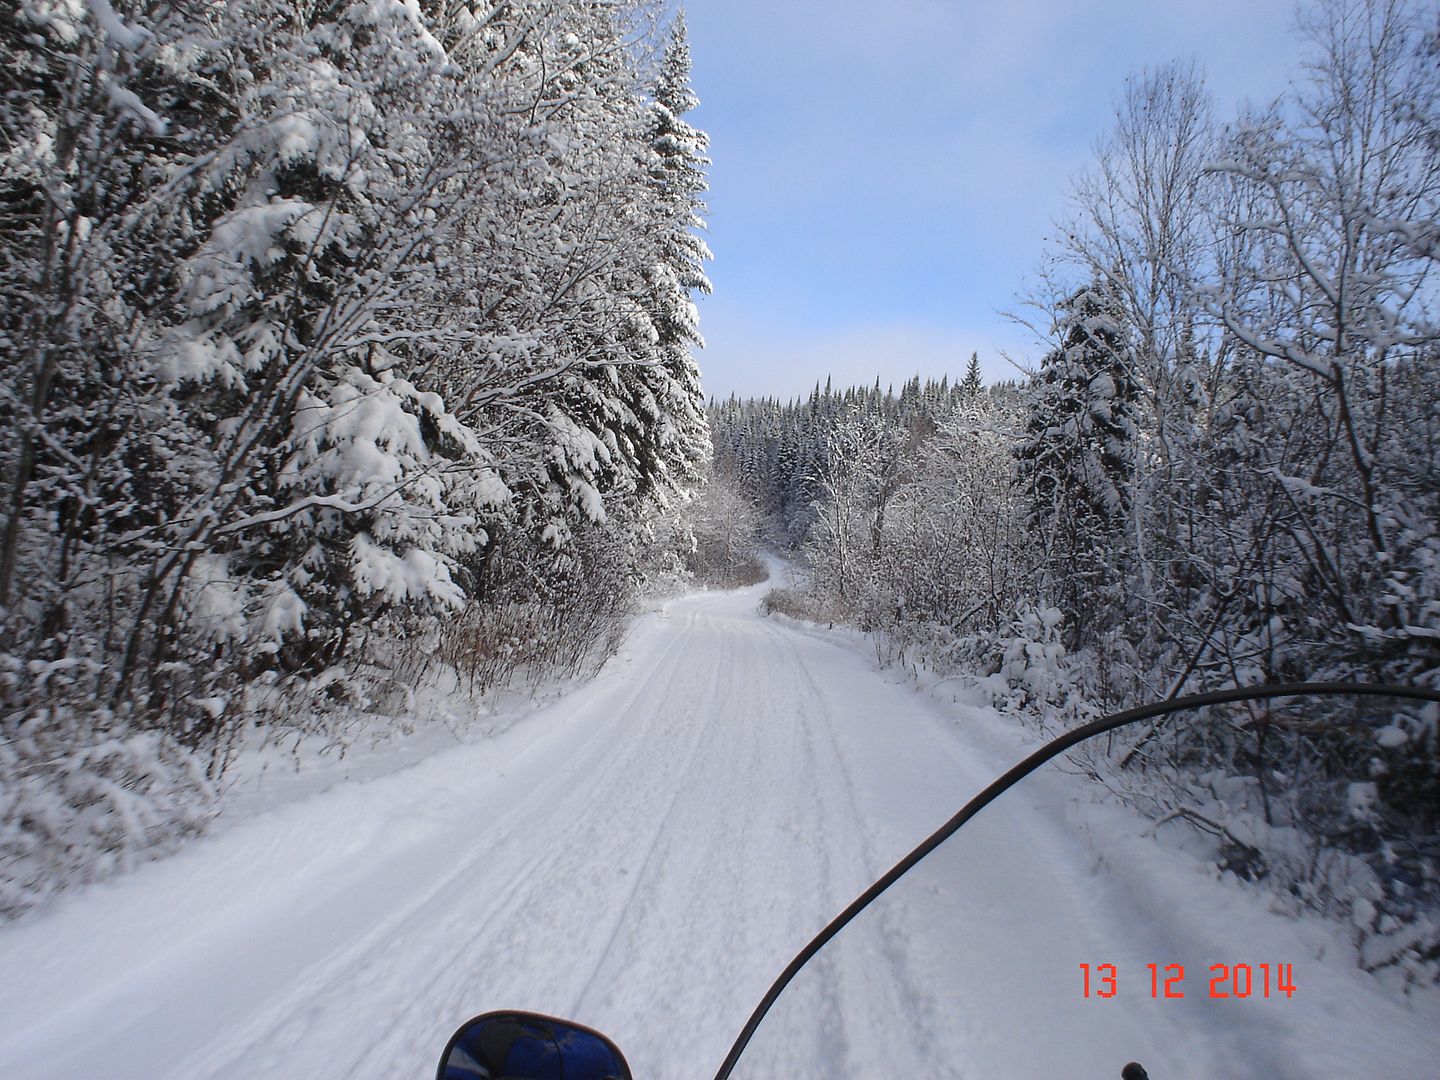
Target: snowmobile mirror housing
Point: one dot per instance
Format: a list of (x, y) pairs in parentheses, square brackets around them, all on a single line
[(529, 1046)]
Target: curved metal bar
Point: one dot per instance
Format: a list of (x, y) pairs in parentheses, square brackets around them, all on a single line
[(1051, 749)]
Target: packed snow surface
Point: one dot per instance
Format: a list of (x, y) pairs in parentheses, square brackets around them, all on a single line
[(645, 855)]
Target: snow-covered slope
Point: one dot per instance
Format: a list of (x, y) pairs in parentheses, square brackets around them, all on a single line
[(644, 856)]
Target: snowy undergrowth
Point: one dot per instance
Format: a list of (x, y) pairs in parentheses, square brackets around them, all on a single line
[(75, 812), (103, 800), (271, 769)]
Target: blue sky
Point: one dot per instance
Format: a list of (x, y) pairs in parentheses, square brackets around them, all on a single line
[(885, 174)]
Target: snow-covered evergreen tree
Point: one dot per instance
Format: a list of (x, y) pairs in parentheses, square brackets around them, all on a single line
[(1077, 462), (323, 323), (678, 181), (972, 384)]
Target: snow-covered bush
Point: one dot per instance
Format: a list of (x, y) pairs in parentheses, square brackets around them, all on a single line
[(802, 604), (1025, 668), (544, 614), (1286, 795), (1032, 666), (723, 529), (80, 806)]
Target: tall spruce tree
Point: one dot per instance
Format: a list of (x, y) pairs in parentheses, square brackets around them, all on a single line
[(972, 386), (1076, 464), (678, 183)]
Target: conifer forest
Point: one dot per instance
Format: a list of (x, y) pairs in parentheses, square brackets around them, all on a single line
[(334, 336)]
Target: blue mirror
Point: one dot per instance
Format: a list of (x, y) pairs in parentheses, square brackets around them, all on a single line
[(527, 1046)]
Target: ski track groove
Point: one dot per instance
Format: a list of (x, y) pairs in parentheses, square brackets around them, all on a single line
[(743, 750), (500, 933), (647, 867), (906, 1002), (341, 971)]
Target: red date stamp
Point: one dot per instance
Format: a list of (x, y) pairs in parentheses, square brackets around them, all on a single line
[(1167, 981)]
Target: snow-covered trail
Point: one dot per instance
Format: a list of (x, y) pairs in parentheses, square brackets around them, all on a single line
[(644, 856)]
